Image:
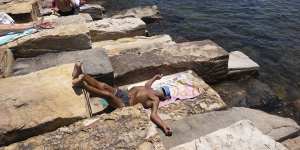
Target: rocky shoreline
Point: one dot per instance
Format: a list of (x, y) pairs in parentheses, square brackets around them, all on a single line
[(40, 110)]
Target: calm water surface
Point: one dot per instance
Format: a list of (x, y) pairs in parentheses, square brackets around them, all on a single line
[(266, 30)]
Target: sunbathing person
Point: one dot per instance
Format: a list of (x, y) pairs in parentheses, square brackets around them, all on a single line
[(67, 7), (117, 98)]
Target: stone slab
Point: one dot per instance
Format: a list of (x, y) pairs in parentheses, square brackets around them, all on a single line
[(122, 129), (42, 102), (206, 58), (292, 144), (96, 11), (196, 126), (95, 63), (149, 14), (240, 61), (61, 38), (68, 20), (242, 135), (240, 65), (138, 43), (112, 29)]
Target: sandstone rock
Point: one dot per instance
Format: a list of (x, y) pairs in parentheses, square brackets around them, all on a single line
[(42, 102), (196, 126), (138, 43), (206, 58), (96, 11), (247, 93), (20, 10), (149, 14), (61, 38), (241, 135), (95, 63), (145, 146), (240, 65), (122, 129), (6, 62), (112, 29), (68, 20), (292, 144)]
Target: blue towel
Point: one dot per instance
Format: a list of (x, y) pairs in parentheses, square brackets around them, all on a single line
[(13, 36)]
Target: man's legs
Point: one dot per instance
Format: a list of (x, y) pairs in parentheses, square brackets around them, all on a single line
[(95, 87)]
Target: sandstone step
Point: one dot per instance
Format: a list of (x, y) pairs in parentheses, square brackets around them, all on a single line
[(240, 135), (21, 11), (43, 101), (206, 58), (240, 65), (112, 29), (196, 126), (149, 14), (68, 20), (95, 63), (61, 38), (138, 43), (122, 129), (96, 11)]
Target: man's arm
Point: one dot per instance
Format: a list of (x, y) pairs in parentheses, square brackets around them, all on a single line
[(152, 80), (6, 28), (156, 119)]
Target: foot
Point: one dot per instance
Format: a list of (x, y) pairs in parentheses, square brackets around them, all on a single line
[(78, 81), (77, 70)]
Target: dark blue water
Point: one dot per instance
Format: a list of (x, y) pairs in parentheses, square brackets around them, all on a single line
[(266, 30)]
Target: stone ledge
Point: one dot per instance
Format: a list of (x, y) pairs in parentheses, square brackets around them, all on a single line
[(61, 38), (240, 135), (95, 63), (112, 29), (187, 129), (206, 58), (137, 43), (43, 102)]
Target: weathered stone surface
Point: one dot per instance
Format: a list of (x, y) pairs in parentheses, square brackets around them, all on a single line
[(6, 62), (19, 10), (196, 126), (68, 20), (292, 144), (206, 58), (138, 43), (96, 11), (246, 93), (242, 135), (42, 101), (149, 14), (122, 129), (61, 38), (95, 63), (112, 29), (240, 65)]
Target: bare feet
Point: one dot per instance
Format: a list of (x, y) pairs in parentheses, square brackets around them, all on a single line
[(78, 81), (77, 70)]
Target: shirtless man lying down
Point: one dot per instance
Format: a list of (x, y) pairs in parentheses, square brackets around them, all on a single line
[(117, 98)]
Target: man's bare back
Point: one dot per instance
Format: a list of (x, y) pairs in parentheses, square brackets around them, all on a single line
[(117, 98)]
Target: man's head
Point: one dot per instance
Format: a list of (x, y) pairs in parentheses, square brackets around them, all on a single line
[(163, 93)]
